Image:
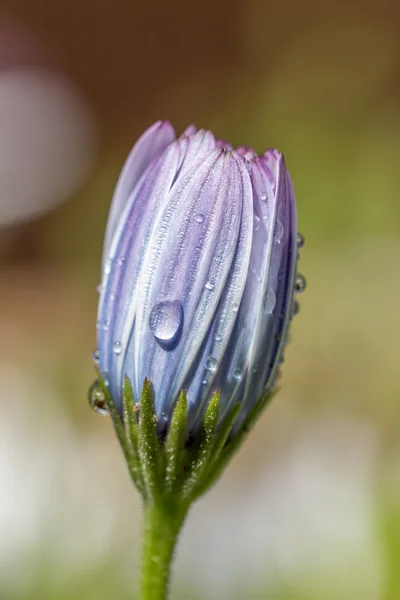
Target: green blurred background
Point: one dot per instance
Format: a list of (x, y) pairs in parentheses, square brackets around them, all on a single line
[(310, 508)]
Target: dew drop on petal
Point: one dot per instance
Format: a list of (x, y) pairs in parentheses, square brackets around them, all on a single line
[(262, 195), (107, 266), (279, 230), (209, 285), (237, 373), (165, 322), (97, 399), (117, 348), (96, 357), (105, 325), (295, 308), (211, 363), (301, 283), (269, 300), (300, 240), (218, 337), (235, 307), (199, 218), (205, 382)]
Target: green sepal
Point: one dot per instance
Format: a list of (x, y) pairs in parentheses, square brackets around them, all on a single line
[(174, 447), (130, 419), (199, 463), (233, 444), (150, 454)]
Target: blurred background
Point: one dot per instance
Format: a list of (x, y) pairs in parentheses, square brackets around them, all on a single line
[(310, 507)]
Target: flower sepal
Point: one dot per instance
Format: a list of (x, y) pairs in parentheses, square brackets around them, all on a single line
[(173, 470)]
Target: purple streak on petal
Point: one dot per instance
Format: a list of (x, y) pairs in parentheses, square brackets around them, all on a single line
[(148, 146), (279, 272), (117, 300), (139, 233), (188, 261)]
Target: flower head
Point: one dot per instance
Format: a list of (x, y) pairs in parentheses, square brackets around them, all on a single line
[(198, 273)]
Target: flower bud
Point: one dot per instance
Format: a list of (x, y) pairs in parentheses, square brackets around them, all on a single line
[(198, 275)]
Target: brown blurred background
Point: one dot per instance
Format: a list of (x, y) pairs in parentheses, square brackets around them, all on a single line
[(310, 508)]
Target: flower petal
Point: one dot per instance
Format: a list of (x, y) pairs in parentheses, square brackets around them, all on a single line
[(148, 146)]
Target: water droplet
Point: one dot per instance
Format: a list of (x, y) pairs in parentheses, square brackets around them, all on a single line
[(107, 266), (97, 399), (166, 321), (98, 288), (199, 218), (256, 222), (279, 230), (210, 285), (205, 381), (295, 308), (117, 348), (300, 240), (121, 261), (301, 283), (269, 300), (218, 337), (237, 373), (96, 357), (106, 325), (262, 194), (211, 363), (255, 369), (235, 307)]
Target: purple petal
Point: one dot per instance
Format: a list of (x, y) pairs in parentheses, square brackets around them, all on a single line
[(149, 145)]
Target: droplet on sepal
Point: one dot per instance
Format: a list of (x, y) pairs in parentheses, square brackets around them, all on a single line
[(301, 284), (218, 337), (262, 195), (96, 357), (166, 321), (211, 363), (117, 348), (199, 218), (97, 399), (235, 307)]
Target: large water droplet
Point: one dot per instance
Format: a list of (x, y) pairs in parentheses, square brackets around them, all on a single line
[(199, 218), (301, 283), (279, 230), (300, 240), (235, 307), (209, 285), (117, 348), (269, 300), (165, 322), (211, 363), (96, 357), (97, 399), (107, 266)]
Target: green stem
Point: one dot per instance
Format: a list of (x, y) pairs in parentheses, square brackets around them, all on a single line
[(160, 533)]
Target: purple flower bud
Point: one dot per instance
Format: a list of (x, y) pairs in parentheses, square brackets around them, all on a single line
[(199, 269)]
